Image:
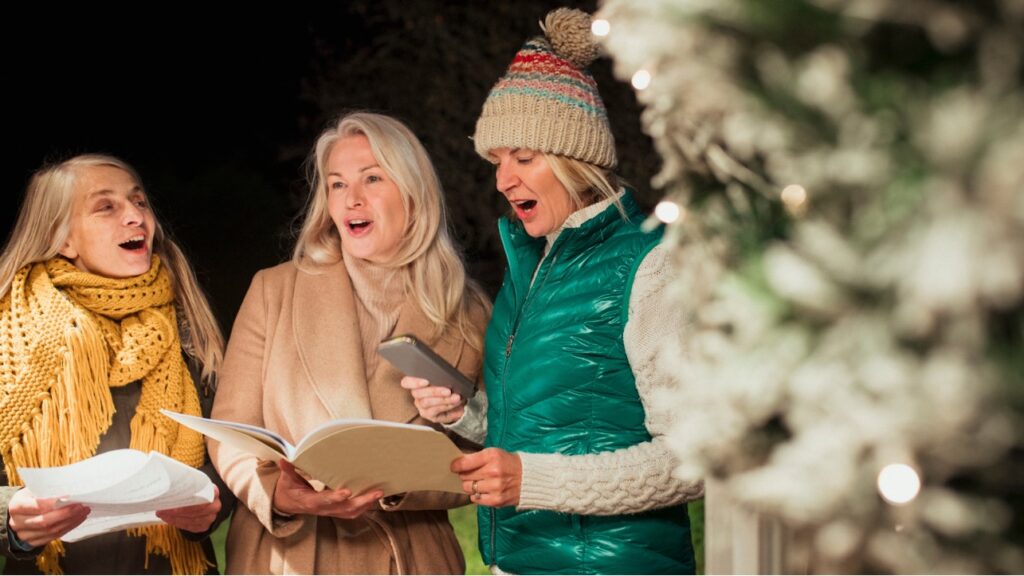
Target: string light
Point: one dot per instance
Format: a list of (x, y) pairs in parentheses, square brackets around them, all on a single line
[(641, 80), (899, 483), (600, 27), (668, 211), (794, 196)]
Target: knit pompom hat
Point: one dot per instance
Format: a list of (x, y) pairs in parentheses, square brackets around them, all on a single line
[(547, 101)]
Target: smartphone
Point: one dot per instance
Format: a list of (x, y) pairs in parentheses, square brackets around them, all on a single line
[(417, 359)]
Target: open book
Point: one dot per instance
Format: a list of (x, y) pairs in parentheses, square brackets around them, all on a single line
[(122, 488), (354, 454)]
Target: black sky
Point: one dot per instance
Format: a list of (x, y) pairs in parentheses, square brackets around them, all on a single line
[(217, 111), (202, 107)]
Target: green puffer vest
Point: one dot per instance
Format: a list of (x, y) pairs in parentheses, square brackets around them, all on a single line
[(558, 381)]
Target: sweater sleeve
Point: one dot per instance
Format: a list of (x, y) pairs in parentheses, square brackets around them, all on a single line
[(637, 478), (240, 399), (473, 424)]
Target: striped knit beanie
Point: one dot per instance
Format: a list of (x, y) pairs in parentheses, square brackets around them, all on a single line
[(547, 101)]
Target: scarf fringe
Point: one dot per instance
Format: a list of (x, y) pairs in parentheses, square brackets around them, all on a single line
[(88, 409), (48, 561), (146, 434), (186, 556), (79, 408)]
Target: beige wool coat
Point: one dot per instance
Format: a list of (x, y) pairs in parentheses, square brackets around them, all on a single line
[(294, 361)]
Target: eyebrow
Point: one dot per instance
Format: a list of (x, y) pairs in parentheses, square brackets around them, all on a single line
[(361, 170), (109, 192)]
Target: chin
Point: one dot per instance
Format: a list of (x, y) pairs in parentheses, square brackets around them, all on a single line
[(537, 232), (137, 269)]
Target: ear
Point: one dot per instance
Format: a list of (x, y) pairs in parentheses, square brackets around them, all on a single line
[(68, 251)]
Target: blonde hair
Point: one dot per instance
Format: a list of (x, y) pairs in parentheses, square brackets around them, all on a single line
[(44, 223), (427, 263), (586, 183)]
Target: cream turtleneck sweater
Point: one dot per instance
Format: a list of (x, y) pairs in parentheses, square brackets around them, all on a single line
[(379, 295)]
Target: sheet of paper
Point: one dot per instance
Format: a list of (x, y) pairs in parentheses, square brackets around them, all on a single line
[(90, 475), (101, 525), (204, 496), (123, 488)]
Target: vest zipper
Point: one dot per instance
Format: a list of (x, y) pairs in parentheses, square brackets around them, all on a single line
[(504, 389), (539, 282)]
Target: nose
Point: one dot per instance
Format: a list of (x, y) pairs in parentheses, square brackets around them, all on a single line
[(134, 215), (506, 177), (354, 197)]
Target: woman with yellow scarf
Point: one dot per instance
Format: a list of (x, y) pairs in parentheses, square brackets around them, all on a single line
[(102, 324)]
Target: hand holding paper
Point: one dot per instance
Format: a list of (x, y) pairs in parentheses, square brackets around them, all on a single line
[(37, 521), (122, 488), (196, 518)]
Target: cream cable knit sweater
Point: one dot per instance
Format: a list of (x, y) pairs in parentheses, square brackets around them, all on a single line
[(623, 481)]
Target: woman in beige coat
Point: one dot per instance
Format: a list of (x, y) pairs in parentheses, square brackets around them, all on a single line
[(373, 259)]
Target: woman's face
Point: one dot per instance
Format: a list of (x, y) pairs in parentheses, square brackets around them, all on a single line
[(526, 180), (363, 201), (111, 224)]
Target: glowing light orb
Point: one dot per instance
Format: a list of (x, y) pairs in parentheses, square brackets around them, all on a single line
[(668, 211), (794, 195), (899, 483), (641, 80), (600, 27)]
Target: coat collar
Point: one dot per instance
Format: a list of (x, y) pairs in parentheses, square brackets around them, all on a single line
[(329, 345)]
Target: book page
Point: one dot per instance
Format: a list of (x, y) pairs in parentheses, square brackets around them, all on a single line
[(396, 459), (332, 427), (355, 453), (257, 441)]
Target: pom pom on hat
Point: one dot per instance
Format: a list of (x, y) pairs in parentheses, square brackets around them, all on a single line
[(547, 101), (568, 30)]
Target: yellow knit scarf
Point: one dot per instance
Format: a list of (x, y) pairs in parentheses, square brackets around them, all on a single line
[(66, 337)]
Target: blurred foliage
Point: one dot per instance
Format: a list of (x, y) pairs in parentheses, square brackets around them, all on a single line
[(853, 262)]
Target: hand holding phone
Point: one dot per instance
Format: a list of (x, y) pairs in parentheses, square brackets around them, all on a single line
[(417, 359)]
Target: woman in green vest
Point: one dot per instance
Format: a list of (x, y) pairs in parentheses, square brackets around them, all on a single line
[(576, 476)]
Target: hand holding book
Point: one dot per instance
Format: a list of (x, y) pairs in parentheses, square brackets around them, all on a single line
[(356, 454), (293, 495)]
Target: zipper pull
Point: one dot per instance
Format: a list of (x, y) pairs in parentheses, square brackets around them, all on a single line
[(508, 347)]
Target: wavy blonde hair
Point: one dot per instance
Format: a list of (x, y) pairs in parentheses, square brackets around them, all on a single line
[(586, 183), (44, 223), (427, 263)]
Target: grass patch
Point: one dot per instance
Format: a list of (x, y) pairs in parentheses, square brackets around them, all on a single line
[(464, 521), (696, 511), (218, 537)]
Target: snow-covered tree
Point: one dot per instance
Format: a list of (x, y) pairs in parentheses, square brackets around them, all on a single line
[(850, 181)]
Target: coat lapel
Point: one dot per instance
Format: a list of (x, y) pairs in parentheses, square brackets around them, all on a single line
[(328, 342)]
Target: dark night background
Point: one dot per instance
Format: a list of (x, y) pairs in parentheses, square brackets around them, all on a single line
[(218, 112)]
